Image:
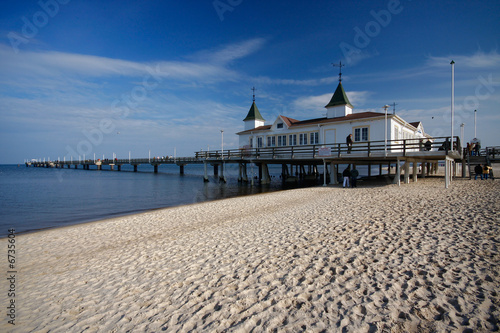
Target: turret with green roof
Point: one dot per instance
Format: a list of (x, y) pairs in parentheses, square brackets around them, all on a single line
[(253, 119), (339, 105)]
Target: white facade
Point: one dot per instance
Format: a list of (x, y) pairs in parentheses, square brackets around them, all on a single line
[(339, 123)]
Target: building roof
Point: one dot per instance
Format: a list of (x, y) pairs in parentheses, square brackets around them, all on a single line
[(339, 98), (253, 113), (294, 123)]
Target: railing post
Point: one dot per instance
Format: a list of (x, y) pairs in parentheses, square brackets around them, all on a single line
[(338, 150), (404, 147), (369, 148), (314, 151)]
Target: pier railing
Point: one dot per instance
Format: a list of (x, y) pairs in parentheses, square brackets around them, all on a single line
[(393, 148), (359, 149)]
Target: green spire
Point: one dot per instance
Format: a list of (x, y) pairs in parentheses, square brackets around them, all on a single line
[(253, 113), (339, 98)]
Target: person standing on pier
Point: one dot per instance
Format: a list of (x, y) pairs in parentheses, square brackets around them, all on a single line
[(348, 141)]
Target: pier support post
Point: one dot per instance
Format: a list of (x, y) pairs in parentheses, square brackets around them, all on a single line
[(406, 167), (155, 168), (415, 169), (222, 177), (119, 167), (205, 175), (181, 168), (397, 177), (333, 173), (245, 175), (135, 167), (446, 173), (266, 179), (324, 172), (216, 169), (112, 167), (242, 173)]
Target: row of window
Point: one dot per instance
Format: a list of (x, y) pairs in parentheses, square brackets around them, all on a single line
[(287, 140), (361, 134)]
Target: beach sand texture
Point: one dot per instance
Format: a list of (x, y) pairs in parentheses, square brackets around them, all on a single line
[(414, 258)]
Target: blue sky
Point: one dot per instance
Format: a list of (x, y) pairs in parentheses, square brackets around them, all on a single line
[(104, 77)]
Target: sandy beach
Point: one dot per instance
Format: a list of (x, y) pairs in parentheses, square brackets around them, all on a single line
[(378, 258)]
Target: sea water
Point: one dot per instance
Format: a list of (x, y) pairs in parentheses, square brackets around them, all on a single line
[(40, 198)]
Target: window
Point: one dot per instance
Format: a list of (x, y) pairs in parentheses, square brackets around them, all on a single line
[(271, 141), (303, 138), (364, 134), (396, 133), (361, 134), (259, 142), (251, 142), (281, 140), (292, 139), (280, 125), (314, 138)]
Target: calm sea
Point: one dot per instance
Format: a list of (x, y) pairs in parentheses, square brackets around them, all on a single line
[(39, 198)]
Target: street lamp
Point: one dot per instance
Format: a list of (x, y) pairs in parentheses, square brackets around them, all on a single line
[(222, 155), (222, 143), (385, 145), (475, 113), (452, 63), (462, 126)]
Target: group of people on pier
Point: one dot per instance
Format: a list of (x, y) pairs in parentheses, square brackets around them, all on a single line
[(474, 148)]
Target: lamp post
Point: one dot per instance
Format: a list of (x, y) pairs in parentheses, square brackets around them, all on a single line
[(385, 135), (462, 130), (222, 156), (222, 143), (452, 63), (475, 113)]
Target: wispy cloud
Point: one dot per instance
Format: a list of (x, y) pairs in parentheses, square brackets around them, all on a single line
[(479, 59), (212, 65), (228, 53)]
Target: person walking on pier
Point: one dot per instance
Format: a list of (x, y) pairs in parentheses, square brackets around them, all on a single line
[(348, 141), (346, 174)]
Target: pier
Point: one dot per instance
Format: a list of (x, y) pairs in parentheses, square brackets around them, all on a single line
[(412, 157)]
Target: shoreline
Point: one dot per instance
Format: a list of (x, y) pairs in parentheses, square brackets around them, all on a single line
[(320, 258)]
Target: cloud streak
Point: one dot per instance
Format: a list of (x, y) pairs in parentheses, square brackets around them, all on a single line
[(213, 65)]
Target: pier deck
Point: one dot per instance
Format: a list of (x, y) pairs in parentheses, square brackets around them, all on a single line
[(395, 152)]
